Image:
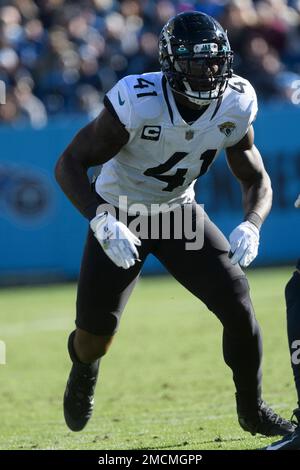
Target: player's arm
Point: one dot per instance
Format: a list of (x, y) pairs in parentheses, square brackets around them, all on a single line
[(93, 145), (247, 166)]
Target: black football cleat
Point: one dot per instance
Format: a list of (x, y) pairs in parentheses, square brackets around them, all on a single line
[(79, 393), (261, 419), (291, 441)]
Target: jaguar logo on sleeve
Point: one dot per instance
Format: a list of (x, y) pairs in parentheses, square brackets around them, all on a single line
[(227, 128)]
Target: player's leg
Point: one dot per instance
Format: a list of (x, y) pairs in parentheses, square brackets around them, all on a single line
[(103, 291), (90, 347), (208, 274), (292, 298)]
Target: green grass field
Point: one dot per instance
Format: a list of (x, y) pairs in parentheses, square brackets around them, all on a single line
[(163, 385)]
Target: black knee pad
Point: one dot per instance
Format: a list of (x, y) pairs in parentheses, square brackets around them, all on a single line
[(234, 308), (292, 289), (292, 300), (235, 291), (240, 289)]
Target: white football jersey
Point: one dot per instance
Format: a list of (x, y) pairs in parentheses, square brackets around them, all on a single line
[(164, 155)]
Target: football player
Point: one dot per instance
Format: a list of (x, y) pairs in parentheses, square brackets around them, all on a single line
[(157, 134), (292, 299)]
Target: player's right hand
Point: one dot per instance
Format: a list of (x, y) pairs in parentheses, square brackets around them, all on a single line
[(117, 241), (297, 202)]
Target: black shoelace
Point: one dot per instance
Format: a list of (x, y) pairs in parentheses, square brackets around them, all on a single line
[(84, 386), (270, 414)]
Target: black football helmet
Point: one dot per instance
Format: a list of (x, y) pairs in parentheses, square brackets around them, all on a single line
[(195, 56)]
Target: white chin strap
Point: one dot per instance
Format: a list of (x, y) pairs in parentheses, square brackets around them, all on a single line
[(206, 96)]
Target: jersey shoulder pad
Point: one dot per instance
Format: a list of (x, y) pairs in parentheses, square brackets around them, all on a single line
[(242, 98), (240, 107), (136, 98)]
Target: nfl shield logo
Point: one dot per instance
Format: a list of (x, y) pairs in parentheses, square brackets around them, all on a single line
[(189, 135)]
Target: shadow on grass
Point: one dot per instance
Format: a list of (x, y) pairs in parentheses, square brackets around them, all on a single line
[(216, 440)]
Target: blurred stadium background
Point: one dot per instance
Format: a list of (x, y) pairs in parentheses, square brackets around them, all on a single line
[(57, 60)]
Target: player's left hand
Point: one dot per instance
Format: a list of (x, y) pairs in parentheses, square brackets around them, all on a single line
[(244, 241)]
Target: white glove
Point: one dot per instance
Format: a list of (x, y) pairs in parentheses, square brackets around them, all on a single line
[(117, 241), (244, 241), (297, 202)]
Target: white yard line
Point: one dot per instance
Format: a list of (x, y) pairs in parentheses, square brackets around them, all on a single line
[(47, 324)]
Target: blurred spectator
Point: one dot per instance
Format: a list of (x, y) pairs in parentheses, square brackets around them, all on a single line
[(31, 107), (61, 56)]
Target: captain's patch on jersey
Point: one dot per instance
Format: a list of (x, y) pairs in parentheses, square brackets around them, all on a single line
[(151, 132), (227, 128)]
